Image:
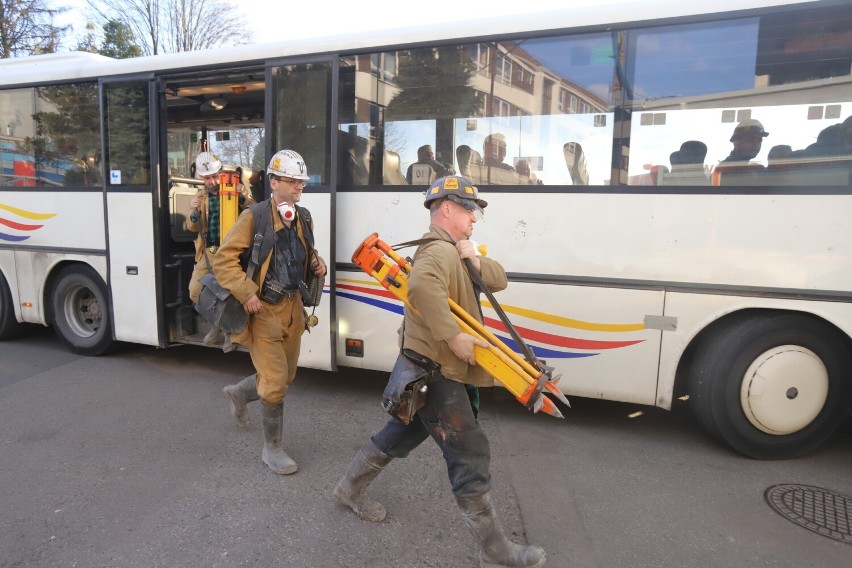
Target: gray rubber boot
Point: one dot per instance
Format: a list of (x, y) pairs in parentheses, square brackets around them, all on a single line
[(496, 551), (365, 466), (239, 395), (272, 455)]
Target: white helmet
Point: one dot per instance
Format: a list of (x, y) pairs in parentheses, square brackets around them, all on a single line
[(288, 163), (207, 164)]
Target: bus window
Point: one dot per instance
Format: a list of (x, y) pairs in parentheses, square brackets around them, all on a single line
[(17, 157), (68, 135), (761, 95), (500, 113), (128, 158)]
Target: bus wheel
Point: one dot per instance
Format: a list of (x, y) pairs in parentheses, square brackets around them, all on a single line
[(9, 326), (81, 311), (772, 386)]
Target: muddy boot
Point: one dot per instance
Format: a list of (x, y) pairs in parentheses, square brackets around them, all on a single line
[(273, 456), (239, 395), (212, 336), (496, 551), (365, 466)]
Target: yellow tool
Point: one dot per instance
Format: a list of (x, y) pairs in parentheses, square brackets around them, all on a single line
[(523, 379), (229, 200)]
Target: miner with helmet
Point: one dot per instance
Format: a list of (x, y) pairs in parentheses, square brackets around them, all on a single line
[(272, 298), (204, 219), (747, 139), (440, 271)]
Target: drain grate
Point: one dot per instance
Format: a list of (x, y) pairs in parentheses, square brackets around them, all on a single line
[(819, 510)]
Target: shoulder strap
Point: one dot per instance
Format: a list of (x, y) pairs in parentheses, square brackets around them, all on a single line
[(263, 238)]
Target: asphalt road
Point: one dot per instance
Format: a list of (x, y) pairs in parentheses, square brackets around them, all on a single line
[(131, 460)]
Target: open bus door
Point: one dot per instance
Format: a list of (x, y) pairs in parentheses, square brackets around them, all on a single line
[(131, 201), (300, 112)]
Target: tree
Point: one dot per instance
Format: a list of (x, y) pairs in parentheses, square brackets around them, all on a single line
[(119, 41), (26, 28), (170, 26)]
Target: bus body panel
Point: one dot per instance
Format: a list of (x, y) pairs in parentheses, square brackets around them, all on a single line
[(132, 267), (316, 345), (54, 220), (695, 312)]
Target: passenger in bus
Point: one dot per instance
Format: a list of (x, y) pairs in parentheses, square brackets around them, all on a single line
[(494, 152), (273, 300), (426, 169), (204, 219), (779, 155), (449, 414), (747, 139), (831, 141)]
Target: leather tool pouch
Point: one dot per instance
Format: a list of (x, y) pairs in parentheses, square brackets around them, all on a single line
[(407, 387)]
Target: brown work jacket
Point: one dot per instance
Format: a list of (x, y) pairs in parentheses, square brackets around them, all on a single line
[(438, 273), (226, 262)]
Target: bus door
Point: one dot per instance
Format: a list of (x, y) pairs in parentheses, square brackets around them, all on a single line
[(130, 182), (301, 115)]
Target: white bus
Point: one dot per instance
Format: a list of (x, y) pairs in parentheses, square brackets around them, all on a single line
[(642, 267)]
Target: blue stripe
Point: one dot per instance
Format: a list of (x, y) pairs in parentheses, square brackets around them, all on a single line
[(13, 238)]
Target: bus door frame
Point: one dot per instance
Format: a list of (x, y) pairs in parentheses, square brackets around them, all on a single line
[(133, 239), (315, 352)]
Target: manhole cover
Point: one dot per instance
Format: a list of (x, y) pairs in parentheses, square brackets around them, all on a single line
[(819, 510)]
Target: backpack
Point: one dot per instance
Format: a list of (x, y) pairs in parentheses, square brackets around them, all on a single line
[(264, 239)]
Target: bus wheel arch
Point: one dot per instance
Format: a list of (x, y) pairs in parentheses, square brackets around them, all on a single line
[(771, 384), (10, 327), (79, 309)]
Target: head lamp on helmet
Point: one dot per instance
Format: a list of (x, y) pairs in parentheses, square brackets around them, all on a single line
[(287, 163), (457, 189)]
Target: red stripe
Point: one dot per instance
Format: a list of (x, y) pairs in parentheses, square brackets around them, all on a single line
[(19, 226), (526, 333), (559, 340)]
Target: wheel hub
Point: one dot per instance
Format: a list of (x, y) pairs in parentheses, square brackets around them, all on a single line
[(784, 389)]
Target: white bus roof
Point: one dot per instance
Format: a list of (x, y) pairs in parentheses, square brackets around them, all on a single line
[(582, 13)]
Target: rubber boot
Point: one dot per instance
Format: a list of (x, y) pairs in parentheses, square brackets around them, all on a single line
[(272, 455), (239, 395), (365, 466), (496, 551)]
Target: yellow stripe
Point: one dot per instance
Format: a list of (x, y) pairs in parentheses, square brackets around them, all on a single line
[(26, 214), (568, 322), (360, 282)]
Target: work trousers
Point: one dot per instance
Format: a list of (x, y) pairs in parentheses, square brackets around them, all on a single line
[(199, 272), (276, 337), (449, 419)]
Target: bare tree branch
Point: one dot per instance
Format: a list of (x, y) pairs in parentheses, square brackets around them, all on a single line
[(26, 28), (169, 26)]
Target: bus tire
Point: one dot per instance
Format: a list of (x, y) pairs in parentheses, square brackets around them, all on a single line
[(772, 385), (10, 327), (80, 310)]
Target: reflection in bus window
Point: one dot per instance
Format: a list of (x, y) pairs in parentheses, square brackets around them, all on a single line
[(54, 144), (508, 113), (17, 157), (712, 83)]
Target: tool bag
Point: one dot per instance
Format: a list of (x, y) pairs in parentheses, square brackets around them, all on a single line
[(219, 307), (407, 386)]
